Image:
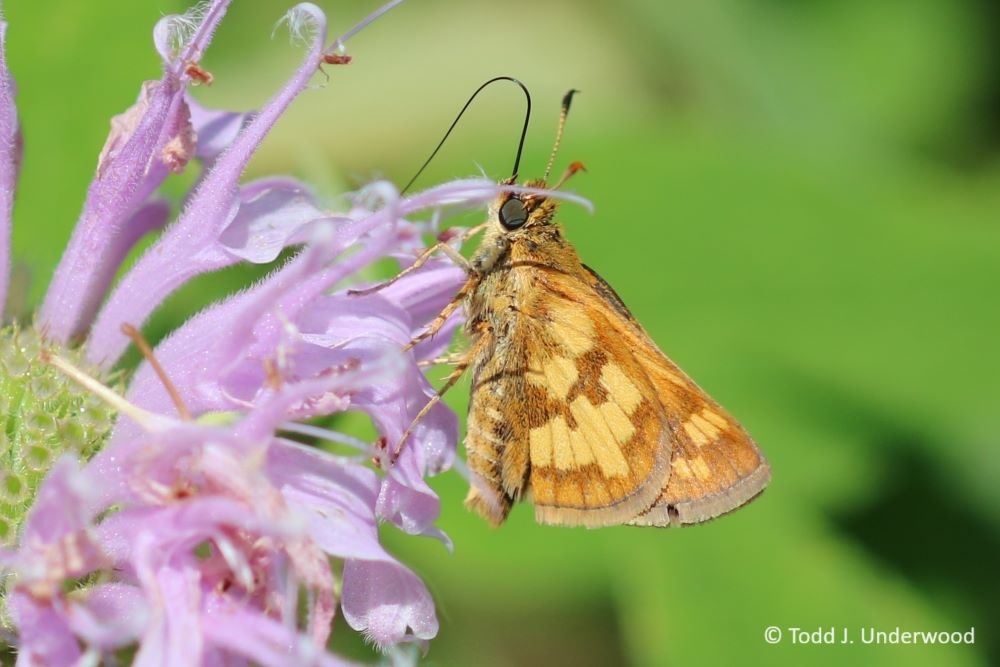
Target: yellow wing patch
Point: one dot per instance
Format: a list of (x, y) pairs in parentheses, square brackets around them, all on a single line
[(576, 328), (558, 375), (617, 384)]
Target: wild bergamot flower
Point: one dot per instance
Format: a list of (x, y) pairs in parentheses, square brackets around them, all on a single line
[(194, 526)]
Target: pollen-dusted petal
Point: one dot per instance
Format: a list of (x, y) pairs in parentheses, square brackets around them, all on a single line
[(60, 508), (56, 543), (10, 161), (179, 147)]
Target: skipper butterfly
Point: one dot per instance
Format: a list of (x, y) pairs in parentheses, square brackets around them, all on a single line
[(573, 405)]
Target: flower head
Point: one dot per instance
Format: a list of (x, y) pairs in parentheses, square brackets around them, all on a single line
[(224, 537)]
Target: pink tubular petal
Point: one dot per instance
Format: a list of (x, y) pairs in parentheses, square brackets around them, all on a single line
[(110, 616), (10, 161), (264, 640), (406, 499), (45, 637), (61, 505), (56, 541), (151, 139), (478, 191), (274, 213), (380, 597), (427, 291), (207, 346), (173, 636), (387, 602), (216, 130), (149, 217), (190, 246), (336, 499)]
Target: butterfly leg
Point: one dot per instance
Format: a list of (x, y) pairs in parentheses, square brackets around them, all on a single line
[(461, 366), (420, 261), (444, 360), (449, 252), (443, 316)]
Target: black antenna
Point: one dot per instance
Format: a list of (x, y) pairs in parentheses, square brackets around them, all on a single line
[(520, 144)]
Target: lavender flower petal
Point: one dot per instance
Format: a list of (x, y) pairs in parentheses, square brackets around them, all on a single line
[(57, 545), (147, 142), (10, 161), (273, 214), (56, 541), (388, 603), (216, 130), (111, 615), (190, 246), (173, 637), (45, 638), (208, 347), (381, 597), (265, 641), (207, 536)]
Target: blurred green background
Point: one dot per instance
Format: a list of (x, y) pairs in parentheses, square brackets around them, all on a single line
[(800, 200)]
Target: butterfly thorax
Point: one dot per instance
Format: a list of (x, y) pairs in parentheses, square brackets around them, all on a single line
[(509, 259)]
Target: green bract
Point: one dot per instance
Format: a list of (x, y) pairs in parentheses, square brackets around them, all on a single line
[(43, 415)]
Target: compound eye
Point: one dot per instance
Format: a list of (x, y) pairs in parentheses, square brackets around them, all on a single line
[(513, 214)]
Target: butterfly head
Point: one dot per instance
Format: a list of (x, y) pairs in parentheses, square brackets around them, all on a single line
[(513, 211)]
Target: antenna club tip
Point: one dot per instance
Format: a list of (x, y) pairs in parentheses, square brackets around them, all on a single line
[(568, 97)]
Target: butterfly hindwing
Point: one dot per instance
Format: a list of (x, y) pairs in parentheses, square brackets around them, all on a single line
[(715, 466)]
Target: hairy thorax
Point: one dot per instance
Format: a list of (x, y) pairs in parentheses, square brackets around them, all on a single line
[(510, 266)]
